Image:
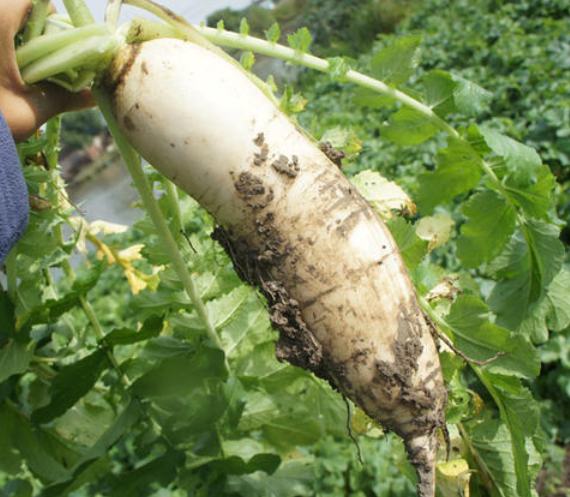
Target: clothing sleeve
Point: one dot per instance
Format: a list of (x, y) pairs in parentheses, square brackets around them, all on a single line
[(14, 203)]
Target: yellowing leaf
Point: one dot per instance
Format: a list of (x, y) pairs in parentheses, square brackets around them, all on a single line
[(435, 229), (453, 478), (362, 424), (343, 139), (444, 290), (387, 197)]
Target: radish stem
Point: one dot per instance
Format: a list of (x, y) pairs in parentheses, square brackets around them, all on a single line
[(89, 52), (79, 13), (133, 163), (40, 47), (35, 25)]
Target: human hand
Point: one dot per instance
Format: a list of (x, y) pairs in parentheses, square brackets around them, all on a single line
[(24, 107)]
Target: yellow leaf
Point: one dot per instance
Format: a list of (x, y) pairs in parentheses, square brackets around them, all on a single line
[(435, 229), (387, 197), (444, 290), (453, 478), (362, 424)]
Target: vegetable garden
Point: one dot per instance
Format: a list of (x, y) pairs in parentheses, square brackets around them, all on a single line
[(151, 368)]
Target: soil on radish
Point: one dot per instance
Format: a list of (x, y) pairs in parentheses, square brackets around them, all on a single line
[(334, 155)]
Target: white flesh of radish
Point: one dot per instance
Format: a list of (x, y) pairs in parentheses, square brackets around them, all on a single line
[(206, 127)]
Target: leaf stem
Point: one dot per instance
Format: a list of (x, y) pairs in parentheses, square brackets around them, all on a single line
[(486, 476), (90, 51), (113, 12), (37, 21), (39, 47), (79, 13), (133, 163), (174, 204)]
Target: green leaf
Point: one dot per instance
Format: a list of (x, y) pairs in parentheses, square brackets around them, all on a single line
[(300, 40), (71, 383), (221, 311), (247, 60), (10, 459), (408, 127), (87, 467), (160, 471), (244, 27), (491, 221), (396, 63), (520, 412), (125, 336), (249, 327), (52, 309), (180, 375), (47, 455), (524, 270), (459, 397), (17, 488), (479, 339), (292, 478), (447, 93), (534, 198), (273, 33), (412, 247), (522, 161), (492, 442), (457, 172), (291, 102), (439, 87), (372, 99), (221, 25), (234, 465), (15, 357), (470, 99), (7, 318), (558, 299)]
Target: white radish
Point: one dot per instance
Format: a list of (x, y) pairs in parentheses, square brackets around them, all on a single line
[(337, 287)]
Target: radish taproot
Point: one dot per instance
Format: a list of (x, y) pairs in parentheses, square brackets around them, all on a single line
[(295, 227)]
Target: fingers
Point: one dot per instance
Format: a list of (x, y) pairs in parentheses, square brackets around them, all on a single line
[(25, 113)]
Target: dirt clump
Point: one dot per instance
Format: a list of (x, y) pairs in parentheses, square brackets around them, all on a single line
[(334, 155), (287, 167)]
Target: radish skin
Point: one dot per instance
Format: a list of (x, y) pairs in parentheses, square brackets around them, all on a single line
[(294, 226)]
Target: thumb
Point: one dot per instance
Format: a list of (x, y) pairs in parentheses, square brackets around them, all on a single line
[(28, 110)]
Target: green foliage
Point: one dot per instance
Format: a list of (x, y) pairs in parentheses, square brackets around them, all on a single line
[(117, 393)]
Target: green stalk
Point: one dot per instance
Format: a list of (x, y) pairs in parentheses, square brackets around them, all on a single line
[(40, 47), (486, 476), (133, 163), (37, 21), (79, 13), (242, 42), (90, 51), (113, 11), (173, 203)]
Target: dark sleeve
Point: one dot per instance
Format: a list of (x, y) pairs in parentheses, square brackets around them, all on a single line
[(14, 203)]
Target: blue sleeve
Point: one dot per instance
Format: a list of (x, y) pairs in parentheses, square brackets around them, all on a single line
[(14, 203)]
